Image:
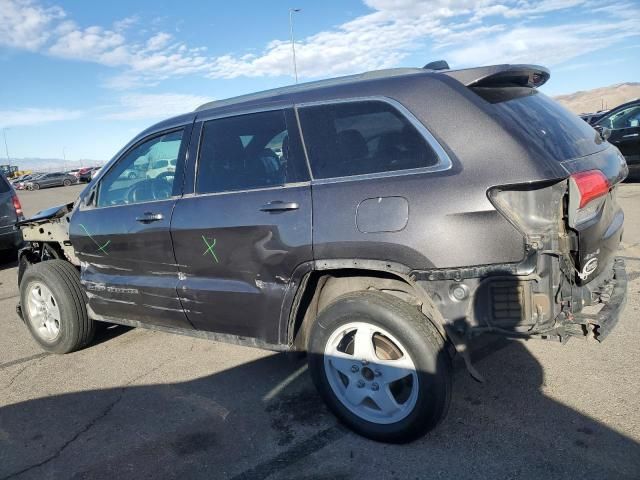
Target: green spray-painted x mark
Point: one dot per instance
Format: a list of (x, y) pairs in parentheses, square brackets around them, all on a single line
[(101, 248), (210, 248)]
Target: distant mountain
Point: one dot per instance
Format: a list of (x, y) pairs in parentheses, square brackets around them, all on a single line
[(600, 98), (50, 164)]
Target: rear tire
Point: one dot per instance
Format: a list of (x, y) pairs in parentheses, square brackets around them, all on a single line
[(358, 392), (54, 306)]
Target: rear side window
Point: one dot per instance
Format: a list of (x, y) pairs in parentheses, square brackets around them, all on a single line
[(246, 152), (542, 124), (355, 138)]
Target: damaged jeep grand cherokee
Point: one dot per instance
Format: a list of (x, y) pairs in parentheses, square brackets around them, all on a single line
[(377, 222)]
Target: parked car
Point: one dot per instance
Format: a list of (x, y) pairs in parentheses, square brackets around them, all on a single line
[(10, 213), (624, 125), (20, 179), (159, 167), (20, 185), (94, 171), (410, 211), (56, 179), (592, 118), (84, 174)]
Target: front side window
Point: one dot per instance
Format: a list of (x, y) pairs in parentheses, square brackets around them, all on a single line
[(625, 118), (245, 152), (145, 173), (355, 138)]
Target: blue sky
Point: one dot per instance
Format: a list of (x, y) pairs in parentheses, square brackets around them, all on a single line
[(86, 76)]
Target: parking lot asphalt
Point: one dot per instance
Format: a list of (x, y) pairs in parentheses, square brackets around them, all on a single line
[(145, 404)]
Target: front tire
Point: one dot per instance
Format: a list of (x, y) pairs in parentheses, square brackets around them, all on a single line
[(36, 186), (381, 366), (54, 306), (66, 183)]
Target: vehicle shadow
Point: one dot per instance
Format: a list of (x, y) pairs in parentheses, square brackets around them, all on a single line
[(263, 419), (8, 259)]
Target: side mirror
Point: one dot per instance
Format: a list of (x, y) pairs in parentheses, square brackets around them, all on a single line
[(604, 132)]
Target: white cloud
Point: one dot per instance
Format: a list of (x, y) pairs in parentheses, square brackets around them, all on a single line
[(153, 106), (26, 25), (35, 116), (158, 41), (544, 45), (473, 32)]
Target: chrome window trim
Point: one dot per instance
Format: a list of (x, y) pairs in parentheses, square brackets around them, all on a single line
[(444, 161), (200, 117), (249, 190)]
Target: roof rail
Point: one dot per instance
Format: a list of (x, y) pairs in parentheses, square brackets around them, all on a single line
[(300, 87), (495, 75)]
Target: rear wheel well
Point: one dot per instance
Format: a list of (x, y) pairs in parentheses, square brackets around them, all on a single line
[(320, 288)]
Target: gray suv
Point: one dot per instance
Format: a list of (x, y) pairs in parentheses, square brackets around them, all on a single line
[(378, 222)]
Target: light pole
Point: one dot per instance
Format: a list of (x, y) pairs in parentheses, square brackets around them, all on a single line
[(293, 43), (6, 148)]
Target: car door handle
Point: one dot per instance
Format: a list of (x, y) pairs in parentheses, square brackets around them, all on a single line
[(631, 135), (148, 217), (279, 206)]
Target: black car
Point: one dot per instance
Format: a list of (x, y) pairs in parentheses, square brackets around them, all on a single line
[(56, 179), (10, 213), (624, 124), (592, 118), (378, 222)]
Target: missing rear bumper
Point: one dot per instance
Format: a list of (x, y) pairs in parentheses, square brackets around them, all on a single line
[(599, 324)]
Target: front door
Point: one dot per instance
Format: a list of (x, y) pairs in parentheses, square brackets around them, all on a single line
[(240, 236), (625, 131), (122, 236)]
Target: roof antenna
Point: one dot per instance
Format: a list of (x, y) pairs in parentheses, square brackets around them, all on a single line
[(437, 65)]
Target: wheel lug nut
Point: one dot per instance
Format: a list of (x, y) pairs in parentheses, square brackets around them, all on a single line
[(375, 387), (360, 384), (354, 368)]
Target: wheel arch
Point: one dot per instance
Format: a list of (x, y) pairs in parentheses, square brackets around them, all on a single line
[(324, 280)]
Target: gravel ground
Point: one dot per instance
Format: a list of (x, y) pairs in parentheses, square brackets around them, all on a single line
[(143, 404)]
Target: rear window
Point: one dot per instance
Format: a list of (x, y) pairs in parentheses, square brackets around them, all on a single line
[(355, 138), (541, 123)]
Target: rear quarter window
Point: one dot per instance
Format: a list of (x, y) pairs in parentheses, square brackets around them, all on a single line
[(541, 123), (361, 137)]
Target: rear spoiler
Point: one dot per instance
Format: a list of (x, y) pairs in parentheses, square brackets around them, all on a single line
[(499, 75)]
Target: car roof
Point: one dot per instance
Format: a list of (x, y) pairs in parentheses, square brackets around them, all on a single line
[(345, 87)]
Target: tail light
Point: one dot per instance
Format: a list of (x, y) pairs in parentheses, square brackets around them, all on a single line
[(16, 206), (587, 193)]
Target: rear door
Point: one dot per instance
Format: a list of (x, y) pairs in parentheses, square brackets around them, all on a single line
[(247, 225), (123, 241)]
